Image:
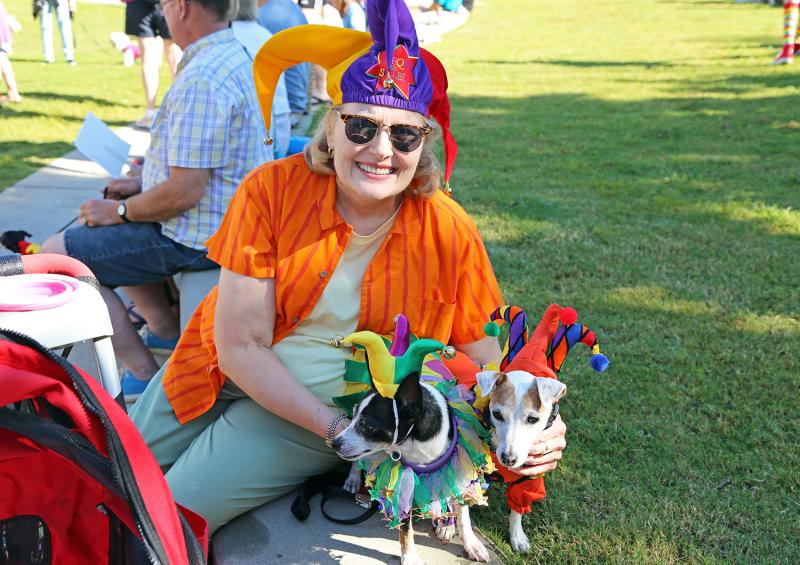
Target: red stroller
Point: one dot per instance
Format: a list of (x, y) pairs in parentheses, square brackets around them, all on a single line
[(77, 482)]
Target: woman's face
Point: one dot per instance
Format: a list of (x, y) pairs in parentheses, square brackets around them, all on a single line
[(374, 171)]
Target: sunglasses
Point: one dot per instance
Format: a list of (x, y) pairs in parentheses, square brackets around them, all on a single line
[(361, 130)]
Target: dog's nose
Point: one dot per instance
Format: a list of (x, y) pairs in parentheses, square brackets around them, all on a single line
[(508, 459), (336, 443)]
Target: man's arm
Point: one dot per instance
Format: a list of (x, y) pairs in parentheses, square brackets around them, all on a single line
[(180, 192)]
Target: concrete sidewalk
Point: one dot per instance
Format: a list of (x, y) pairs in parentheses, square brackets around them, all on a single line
[(47, 200)]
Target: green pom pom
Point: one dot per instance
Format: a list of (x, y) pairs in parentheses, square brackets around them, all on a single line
[(491, 329)]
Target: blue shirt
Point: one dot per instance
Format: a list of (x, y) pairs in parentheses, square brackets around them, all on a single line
[(277, 15), (209, 119), (355, 17)]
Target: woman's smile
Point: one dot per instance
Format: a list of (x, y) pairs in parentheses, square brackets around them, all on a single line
[(373, 170)]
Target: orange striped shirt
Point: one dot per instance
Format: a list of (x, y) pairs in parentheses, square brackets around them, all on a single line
[(282, 223)]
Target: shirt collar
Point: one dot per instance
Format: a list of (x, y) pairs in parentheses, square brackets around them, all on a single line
[(409, 216), (206, 41)]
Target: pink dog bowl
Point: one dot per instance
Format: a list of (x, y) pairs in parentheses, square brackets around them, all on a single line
[(25, 293)]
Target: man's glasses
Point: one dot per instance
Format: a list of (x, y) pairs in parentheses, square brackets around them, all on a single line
[(361, 130)]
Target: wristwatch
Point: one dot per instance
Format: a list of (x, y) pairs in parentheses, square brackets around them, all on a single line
[(122, 209)]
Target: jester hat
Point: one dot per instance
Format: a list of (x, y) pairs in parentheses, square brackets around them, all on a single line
[(387, 371), (385, 67), (543, 352)]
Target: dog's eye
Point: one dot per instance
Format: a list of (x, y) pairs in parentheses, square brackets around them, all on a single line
[(532, 419), (497, 415)]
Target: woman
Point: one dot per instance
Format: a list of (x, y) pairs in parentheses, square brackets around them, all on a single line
[(63, 12), (790, 17), (8, 24), (339, 239)]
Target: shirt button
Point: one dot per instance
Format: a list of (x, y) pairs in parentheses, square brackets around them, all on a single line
[(323, 274)]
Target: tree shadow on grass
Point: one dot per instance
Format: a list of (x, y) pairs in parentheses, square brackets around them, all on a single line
[(15, 112), (694, 195), (49, 96), (578, 64), (19, 159)]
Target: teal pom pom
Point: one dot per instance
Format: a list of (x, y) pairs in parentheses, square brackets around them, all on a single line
[(491, 329), (599, 362)]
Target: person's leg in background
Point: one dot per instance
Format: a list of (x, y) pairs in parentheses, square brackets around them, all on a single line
[(65, 29), (152, 304), (151, 53), (790, 17), (46, 27), (8, 76), (173, 54), (128, 347), (139, 23)]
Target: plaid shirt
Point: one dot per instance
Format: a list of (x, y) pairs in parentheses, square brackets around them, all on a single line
[(209, 119)]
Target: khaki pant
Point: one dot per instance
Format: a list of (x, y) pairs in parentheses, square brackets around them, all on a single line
[(233, 458)]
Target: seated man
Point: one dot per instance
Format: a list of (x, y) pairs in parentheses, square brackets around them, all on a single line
[(206, 137)]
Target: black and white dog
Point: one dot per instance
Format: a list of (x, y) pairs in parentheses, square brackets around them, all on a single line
[(417, 425)]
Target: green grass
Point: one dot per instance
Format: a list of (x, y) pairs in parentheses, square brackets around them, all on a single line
[(636, 160), (56, 98)]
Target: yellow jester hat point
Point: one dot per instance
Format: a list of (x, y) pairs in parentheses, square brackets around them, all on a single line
[(387, 371)]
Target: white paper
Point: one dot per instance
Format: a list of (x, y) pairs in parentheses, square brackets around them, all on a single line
[(101, 145)]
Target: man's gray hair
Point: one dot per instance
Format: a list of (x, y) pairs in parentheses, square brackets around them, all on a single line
[(220, 8), (243, 10)]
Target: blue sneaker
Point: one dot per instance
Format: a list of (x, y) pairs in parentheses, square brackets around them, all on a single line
[(132, 387), (157, 344)]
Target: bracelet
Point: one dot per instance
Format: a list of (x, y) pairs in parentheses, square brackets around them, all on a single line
[(332, 428)]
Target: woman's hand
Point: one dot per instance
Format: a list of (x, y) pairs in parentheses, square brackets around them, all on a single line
[(546, 450)]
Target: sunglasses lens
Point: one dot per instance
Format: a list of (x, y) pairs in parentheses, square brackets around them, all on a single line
[(360, 130), (406, 138)]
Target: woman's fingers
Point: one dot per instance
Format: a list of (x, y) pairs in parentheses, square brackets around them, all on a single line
[(533, 470)]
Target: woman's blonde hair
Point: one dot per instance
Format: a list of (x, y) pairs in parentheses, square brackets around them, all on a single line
[(427, 178)]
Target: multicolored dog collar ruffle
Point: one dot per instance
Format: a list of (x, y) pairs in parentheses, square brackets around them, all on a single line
[(386, 68)]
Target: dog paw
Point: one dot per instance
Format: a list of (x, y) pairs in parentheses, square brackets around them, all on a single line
[(352, 484), (445, 533), (411, 559), (520, 542), (353, 481), (475, 549)]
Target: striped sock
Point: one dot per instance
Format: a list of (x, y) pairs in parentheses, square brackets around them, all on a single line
[(790, 15)]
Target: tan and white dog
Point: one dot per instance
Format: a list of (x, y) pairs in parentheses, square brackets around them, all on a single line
[(520, 408), (520, 400)]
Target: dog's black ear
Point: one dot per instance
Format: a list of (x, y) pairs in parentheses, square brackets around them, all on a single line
[(409, 395)]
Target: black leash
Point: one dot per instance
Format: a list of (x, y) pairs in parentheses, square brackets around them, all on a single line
[(328, 485)]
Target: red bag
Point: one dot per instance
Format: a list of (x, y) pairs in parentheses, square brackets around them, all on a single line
[(77, 482)]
